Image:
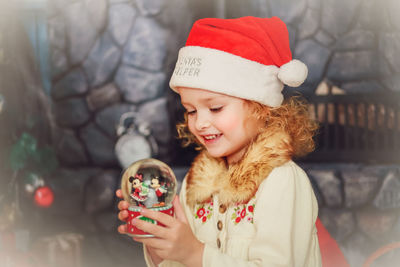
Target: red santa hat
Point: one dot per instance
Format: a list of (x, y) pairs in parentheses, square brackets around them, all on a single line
[(246, 57)]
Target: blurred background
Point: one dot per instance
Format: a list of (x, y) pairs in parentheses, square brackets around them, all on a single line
[(84, 93)]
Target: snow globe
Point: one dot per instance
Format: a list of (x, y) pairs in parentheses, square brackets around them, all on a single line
[(148, 183)]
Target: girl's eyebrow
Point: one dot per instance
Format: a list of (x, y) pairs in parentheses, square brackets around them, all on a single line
[(208, 99), (185, 104)]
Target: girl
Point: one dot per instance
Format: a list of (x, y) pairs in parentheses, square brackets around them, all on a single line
[(244, 202)]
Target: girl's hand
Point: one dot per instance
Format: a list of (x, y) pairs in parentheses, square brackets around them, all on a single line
[(123, 212), (123, 229), (175, 241)]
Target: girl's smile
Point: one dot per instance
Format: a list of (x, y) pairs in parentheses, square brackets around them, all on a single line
[(223, 124), (211, 137)]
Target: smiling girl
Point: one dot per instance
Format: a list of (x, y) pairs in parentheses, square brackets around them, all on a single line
[(244, 202)]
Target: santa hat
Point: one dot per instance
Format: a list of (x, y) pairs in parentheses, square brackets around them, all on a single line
[(246, 57)]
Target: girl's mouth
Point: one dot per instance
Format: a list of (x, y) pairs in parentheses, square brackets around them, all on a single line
[(211, 137)]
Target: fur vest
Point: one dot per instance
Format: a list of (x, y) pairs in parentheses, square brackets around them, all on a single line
[(210, 176)]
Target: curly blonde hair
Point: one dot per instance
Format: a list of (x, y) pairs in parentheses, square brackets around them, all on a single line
[(292, 117)]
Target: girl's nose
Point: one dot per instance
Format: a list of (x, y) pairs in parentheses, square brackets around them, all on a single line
[(202, 122)]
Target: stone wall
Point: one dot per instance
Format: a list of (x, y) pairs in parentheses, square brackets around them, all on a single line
[(110, 57), (360, 206)]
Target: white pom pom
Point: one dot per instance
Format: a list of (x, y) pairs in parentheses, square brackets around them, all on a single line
[(293, 73)]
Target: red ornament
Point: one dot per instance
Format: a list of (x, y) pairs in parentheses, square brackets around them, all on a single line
[(44, 196)]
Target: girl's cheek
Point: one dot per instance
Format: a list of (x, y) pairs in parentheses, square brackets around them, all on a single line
[(191, 126), (228, 123)]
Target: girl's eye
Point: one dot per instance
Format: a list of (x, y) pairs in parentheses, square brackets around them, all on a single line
[(192, 112), (217, 109)]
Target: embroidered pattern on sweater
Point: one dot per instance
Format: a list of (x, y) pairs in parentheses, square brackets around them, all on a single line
[(204, 211), (243, 212)]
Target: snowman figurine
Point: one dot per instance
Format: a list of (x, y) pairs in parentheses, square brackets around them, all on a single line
[(148, 183)]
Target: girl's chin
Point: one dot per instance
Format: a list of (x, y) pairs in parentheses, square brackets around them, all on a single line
[(215, 154), (231, 158)]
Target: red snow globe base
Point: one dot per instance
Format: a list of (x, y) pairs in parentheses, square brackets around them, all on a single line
[(151, 184), (135, 213)]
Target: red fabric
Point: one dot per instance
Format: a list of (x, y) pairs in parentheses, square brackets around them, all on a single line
[(264, 40), (331, 254)]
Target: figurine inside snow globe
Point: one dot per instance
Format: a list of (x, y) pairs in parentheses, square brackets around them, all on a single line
[(148, 183)]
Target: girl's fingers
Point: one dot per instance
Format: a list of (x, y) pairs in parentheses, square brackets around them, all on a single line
[(180, 214), (153, 229), (153, 242), (122, 229), (118, 193), (160, 217), (122, 215), (123, 205)]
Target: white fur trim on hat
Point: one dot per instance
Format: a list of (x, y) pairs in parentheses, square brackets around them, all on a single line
[(222, 72), (293, 73)]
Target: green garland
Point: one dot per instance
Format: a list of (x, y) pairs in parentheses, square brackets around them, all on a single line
[(26, 155)]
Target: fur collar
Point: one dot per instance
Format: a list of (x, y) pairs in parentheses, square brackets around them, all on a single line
[(238, 183)]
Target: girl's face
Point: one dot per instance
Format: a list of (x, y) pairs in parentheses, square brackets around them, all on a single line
[(223, 124)]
